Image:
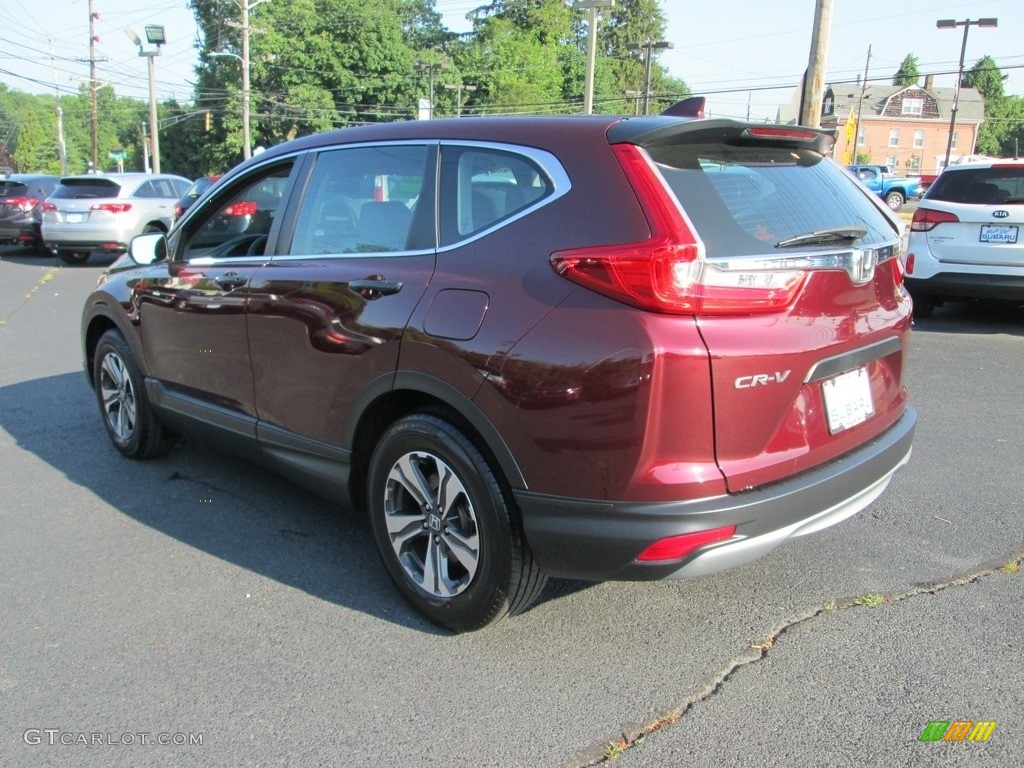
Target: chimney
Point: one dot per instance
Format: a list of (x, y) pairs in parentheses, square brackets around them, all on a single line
[(929, 81)]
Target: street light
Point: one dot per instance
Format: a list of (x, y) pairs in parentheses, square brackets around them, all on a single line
[(431, 68), (966, 24), (459, 88), (648, 46), (588, 89), (154, 36)]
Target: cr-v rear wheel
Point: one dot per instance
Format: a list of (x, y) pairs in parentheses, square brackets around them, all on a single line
[(127, 415), (447, 527)]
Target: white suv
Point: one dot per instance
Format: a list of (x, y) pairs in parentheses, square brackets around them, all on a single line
[(103, 213), (965, 239)]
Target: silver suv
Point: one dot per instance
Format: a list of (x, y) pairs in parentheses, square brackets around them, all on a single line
[(103, 213)]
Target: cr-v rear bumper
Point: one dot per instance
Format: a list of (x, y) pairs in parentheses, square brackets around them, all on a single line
[(600, 540)]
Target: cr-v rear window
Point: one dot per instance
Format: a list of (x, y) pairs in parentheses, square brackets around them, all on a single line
[(72, 188), (980, 186), (744, 200)]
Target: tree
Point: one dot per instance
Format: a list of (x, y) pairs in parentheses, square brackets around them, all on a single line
[(986, 78), (1003, 130), (908, 73)]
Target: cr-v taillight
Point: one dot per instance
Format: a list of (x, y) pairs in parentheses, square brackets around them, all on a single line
[(23, 204), (669, 272)]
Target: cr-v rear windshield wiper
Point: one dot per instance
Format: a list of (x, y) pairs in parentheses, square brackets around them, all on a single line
[(821, 236)]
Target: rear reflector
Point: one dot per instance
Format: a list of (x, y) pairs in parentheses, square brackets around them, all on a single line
[(675, 547), (911, 259)]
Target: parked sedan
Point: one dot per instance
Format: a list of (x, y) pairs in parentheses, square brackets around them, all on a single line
[(21, 199), (596, 348), (104, 212), (965, 236)]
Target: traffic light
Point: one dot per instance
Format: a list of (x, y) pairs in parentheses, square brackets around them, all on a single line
[(207, 120)]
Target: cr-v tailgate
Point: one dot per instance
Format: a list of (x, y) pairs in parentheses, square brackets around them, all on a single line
[(798, 293)]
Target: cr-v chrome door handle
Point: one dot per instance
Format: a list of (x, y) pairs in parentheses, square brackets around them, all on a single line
[(230, 280), (375, 287)]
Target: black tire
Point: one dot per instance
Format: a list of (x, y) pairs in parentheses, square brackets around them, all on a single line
[(121, 394), (74, 257), (421, 464), (895, 200), (923, 307)]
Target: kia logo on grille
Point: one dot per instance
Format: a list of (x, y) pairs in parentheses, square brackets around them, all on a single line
[(1000, 214)]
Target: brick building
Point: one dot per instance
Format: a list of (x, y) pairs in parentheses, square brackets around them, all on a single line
[(905, 127)]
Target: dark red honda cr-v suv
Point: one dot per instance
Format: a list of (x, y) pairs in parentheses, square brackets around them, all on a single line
[(587, 347)]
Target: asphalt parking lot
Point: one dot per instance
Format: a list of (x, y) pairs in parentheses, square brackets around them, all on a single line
[(197, 611)]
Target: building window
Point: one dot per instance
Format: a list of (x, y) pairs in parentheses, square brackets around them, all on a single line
[(953, 144), (891, 163), (894, 137), (860, 136), (918, 139), (913, 107)]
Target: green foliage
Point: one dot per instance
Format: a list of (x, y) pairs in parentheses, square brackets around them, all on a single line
[(1002, 133), (322, 64), (908, 73), (986, 78)]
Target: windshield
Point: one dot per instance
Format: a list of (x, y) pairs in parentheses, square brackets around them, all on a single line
[(744, 200)]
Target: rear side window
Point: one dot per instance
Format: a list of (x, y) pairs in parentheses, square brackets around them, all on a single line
[(743, 200), (84, 188), (481, 187), (980, 186)]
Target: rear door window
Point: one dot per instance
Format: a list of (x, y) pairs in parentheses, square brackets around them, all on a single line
[(744, 200)]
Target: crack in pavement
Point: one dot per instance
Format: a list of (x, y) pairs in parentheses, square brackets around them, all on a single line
[(47, 277), (634, 734)]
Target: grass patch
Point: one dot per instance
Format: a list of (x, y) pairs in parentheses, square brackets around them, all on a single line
[(871, 600)]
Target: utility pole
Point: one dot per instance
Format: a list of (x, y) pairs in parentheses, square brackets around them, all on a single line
[(814, 81), (588, 88), (246, 31), (93, 118), (62, 148), (860, 104)]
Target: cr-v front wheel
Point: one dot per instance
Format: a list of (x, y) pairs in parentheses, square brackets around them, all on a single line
[(447, 528), (120, 391)]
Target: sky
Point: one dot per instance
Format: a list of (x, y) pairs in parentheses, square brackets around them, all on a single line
[(746, 56)]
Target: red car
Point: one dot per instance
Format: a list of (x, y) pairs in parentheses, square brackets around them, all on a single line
[(586, 347)]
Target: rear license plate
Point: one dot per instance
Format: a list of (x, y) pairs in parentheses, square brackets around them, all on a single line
[(996, 233), (848, 400), (74, 218)]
